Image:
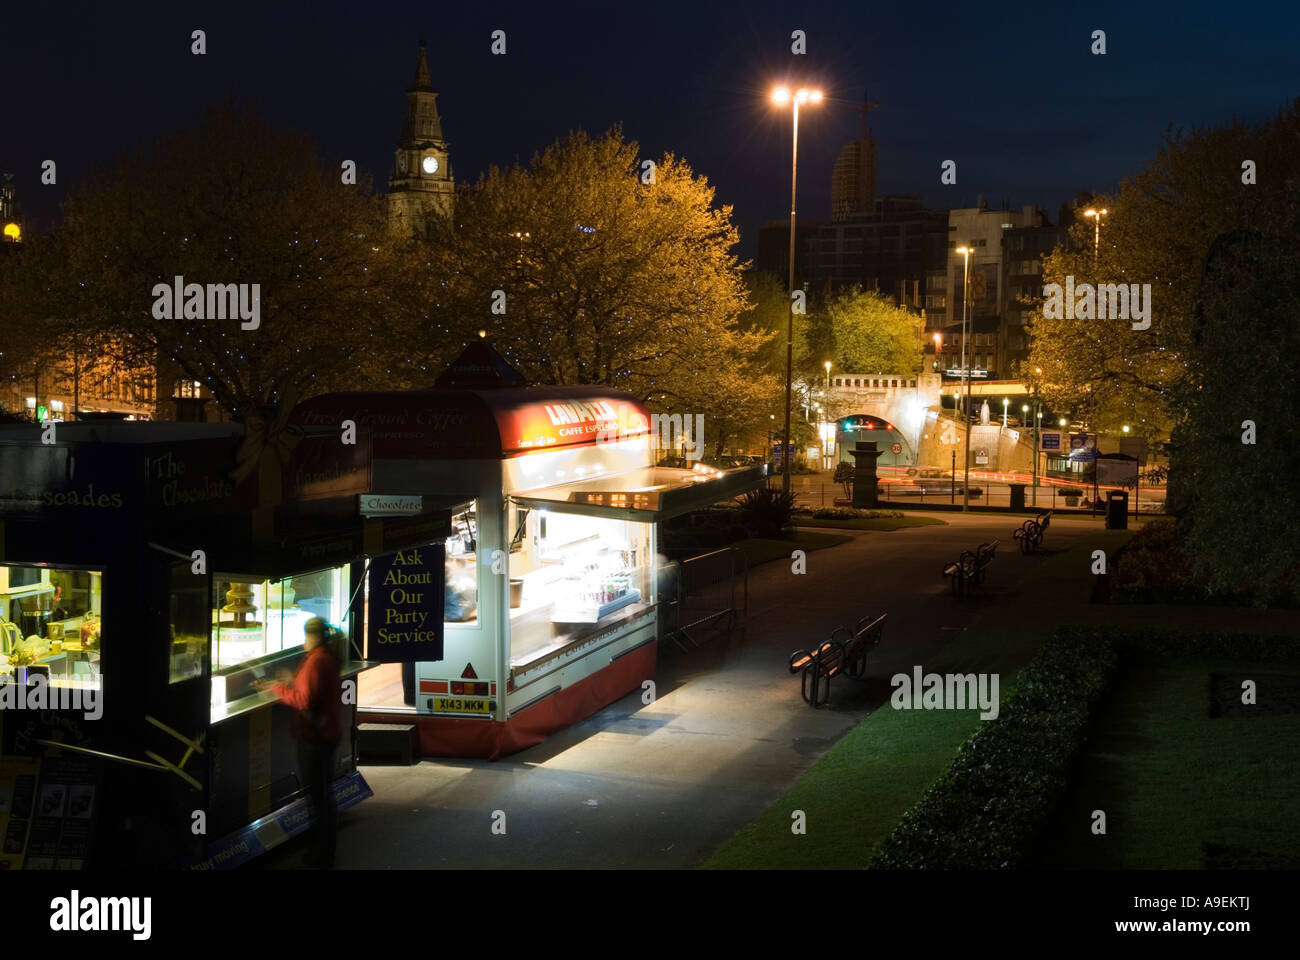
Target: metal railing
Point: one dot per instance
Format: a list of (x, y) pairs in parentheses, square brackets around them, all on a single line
[(683, 581)]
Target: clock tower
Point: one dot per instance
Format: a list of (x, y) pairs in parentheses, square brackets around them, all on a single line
[(420, 186)]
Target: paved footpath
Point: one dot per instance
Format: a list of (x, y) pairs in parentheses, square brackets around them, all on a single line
[(664, 785)]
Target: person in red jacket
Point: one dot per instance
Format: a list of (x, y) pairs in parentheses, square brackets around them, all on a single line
[(316, 697)]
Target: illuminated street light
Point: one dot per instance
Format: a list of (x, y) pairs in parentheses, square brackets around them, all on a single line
[(1096, 233), (781, 96), (965, 378)]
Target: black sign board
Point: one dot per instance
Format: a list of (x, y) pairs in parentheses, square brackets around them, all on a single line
[(404, 621)]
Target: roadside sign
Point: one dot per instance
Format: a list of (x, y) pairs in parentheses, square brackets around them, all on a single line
[(895, 448), (982, 455), (1051, 440)]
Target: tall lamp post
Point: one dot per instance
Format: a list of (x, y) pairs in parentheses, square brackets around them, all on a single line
[(1096, 231), (782, 96), (1038, 425), (827, 449), (965, 372)]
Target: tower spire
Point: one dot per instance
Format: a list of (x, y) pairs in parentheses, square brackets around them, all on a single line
[(422, 82)]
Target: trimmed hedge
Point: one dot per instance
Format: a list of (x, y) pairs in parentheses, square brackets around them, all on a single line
[(1000, 791), (988, 808)]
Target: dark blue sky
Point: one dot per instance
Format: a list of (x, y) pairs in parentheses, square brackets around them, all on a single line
[(1013, 95)]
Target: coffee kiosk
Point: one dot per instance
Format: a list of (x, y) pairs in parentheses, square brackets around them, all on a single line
[(550, 570)]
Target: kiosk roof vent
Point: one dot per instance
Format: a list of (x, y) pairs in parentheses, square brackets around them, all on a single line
[(480, 367)]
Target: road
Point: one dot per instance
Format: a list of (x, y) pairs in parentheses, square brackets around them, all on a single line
[(664, 785)]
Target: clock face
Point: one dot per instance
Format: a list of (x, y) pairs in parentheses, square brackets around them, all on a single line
[(430, 164)]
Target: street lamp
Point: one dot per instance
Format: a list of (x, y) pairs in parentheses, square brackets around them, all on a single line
[(1005, 401), (1096, 232), (782, 96), (1038, 426), (938, 344), (965, 373)]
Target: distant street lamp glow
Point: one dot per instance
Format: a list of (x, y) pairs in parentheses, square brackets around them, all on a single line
[(1096, 233)]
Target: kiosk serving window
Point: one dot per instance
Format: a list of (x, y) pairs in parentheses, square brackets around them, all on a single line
[(571, 575), (461, 587), (50, 622), (255, 618)]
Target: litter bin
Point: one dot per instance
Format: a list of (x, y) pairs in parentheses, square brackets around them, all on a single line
[(1017, 495), (1117, 510)]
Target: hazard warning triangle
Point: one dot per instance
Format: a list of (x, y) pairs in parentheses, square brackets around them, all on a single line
[(469, 673)]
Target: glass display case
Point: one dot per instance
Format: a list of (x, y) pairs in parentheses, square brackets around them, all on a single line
[(570, 575), (255, 618)]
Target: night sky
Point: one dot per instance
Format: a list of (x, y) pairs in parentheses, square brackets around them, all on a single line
[(1013, 95)]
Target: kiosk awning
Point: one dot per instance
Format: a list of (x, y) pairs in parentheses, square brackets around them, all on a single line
[(648, 495)]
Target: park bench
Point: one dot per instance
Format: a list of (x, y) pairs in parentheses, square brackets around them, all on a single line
[(844, 653), (1031, 532), (970, 569)]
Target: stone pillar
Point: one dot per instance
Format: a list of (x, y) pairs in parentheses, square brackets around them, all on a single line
[(865, 456)]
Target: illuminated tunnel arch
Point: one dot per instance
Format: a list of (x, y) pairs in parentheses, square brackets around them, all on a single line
[(863, 426)]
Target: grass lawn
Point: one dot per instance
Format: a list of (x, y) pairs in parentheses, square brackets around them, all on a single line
[(759, 550), (1171, 780), (877, 771), (862, 523)]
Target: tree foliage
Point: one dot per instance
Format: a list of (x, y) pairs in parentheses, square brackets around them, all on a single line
[(1159, 228), (238, 201), (580, 271), (1235, 459), (866, 332)]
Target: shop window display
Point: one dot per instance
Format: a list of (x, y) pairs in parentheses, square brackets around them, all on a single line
[(50, 623)]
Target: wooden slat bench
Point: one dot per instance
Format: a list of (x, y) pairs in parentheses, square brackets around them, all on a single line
[(844, 653)]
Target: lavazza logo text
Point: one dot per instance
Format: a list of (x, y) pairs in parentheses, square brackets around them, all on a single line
[(37, 694), (1106, 301)]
